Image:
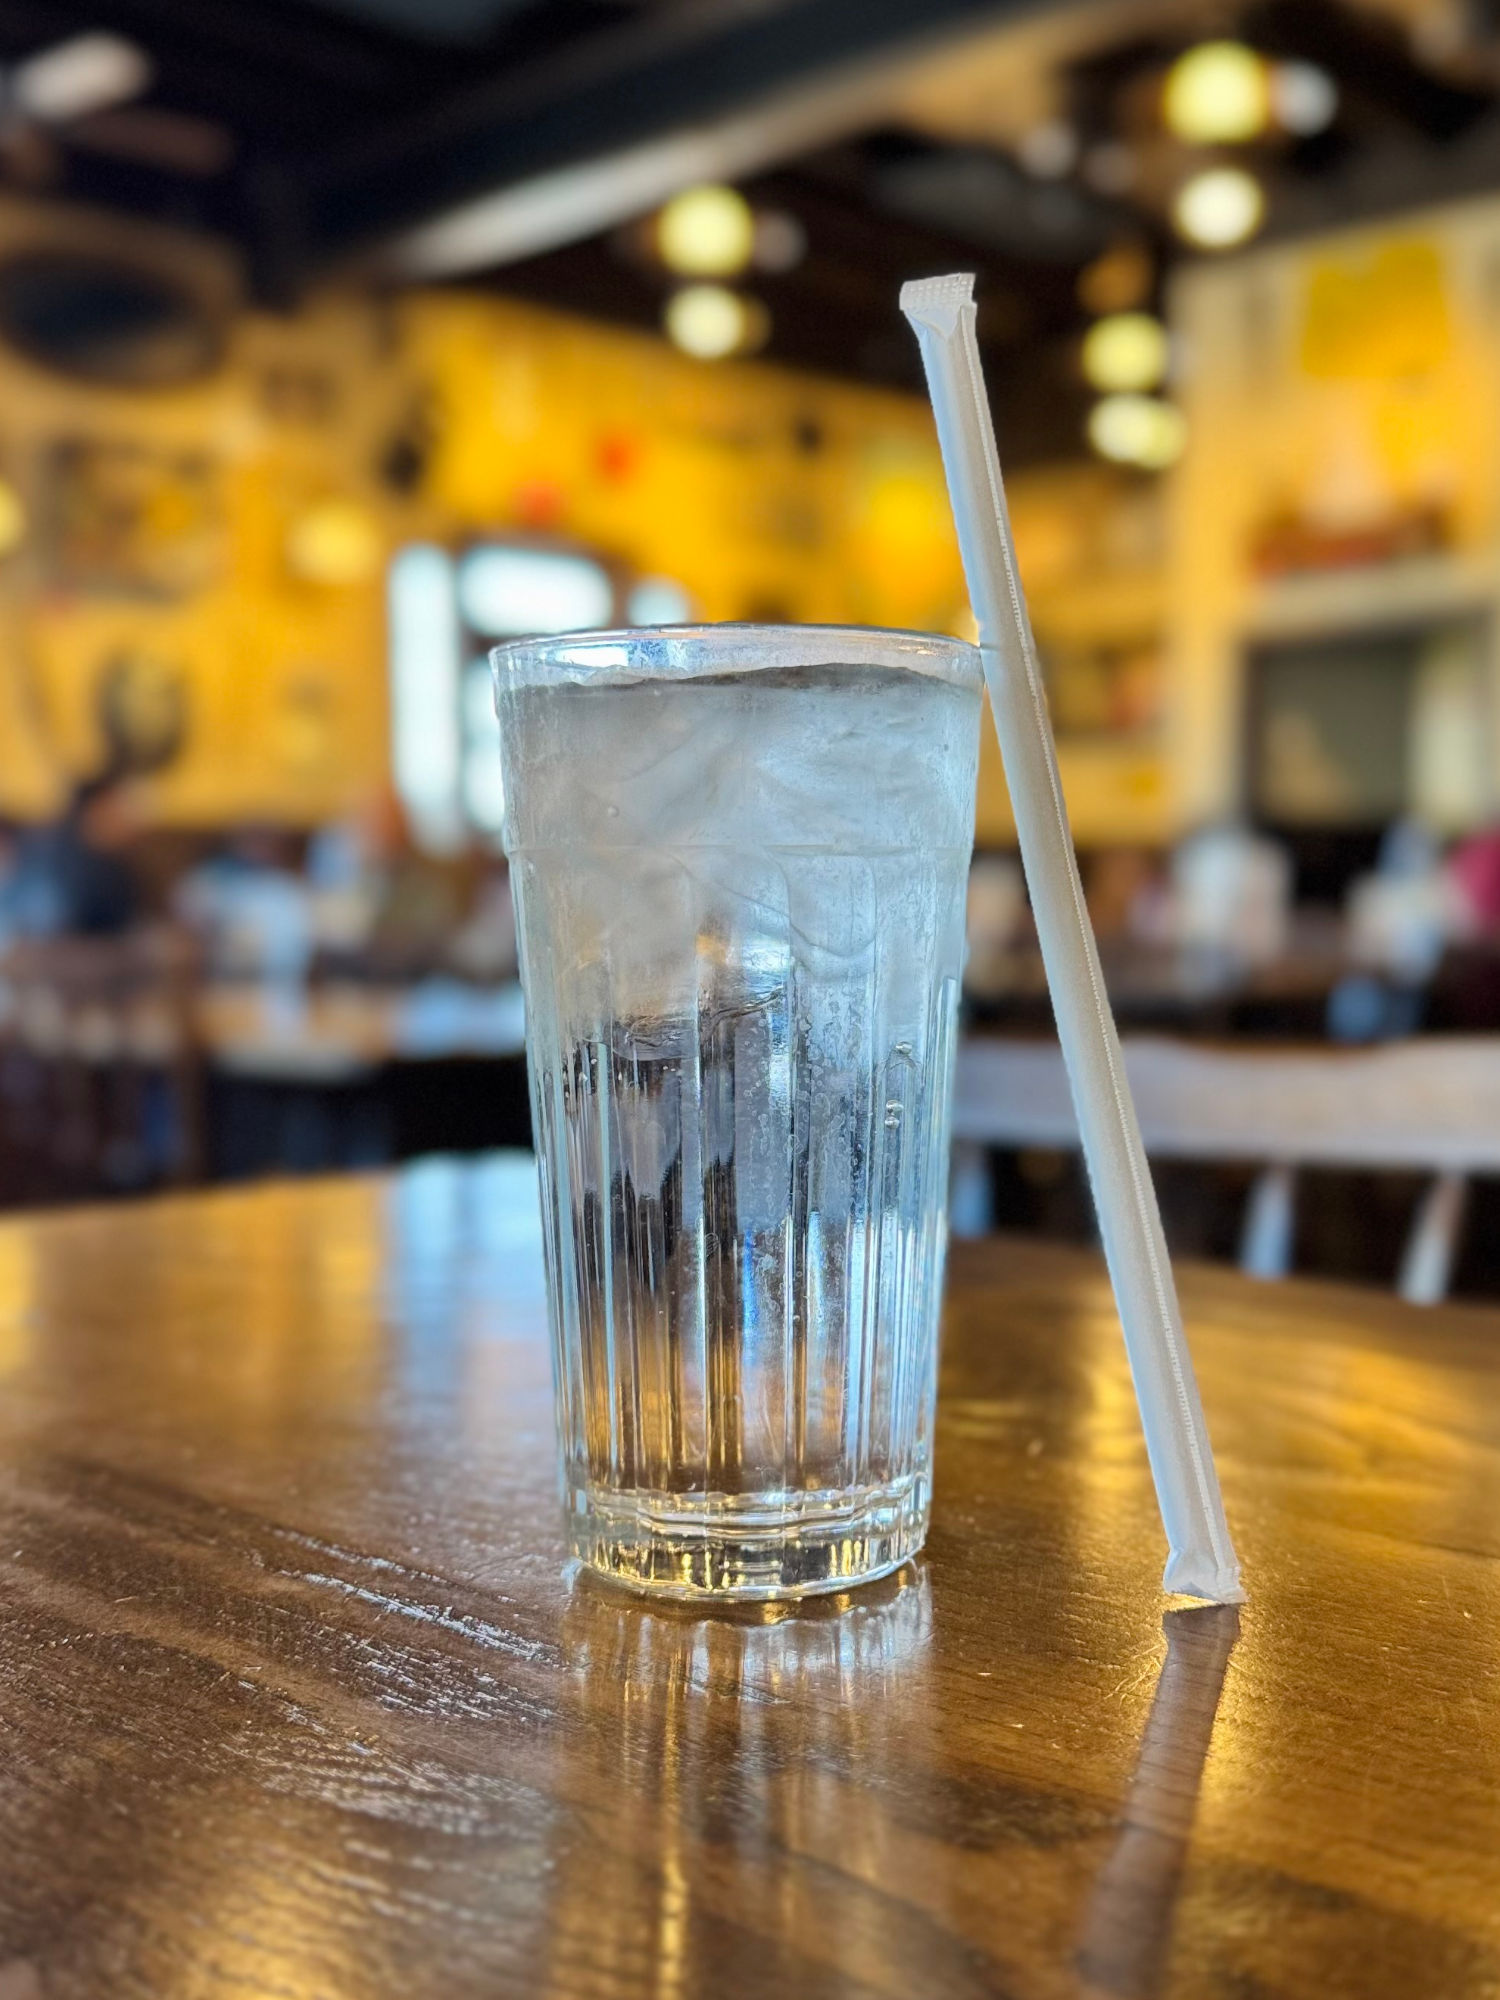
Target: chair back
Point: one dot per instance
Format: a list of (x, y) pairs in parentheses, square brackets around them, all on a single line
[(1430, 1105)]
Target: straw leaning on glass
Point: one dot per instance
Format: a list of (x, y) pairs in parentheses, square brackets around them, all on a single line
[(1201, 1560)]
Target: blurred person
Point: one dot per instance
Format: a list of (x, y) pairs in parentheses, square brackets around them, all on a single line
[(344, 873), (1474, 870), (379, 906), (420, 901), (1232, 897), (1402, 917), (484, 946), (1465, 993), (1126, 887), (251, 909), (10, 861), (71, 877)]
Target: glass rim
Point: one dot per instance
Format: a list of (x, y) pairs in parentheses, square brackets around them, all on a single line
[(631, 653)]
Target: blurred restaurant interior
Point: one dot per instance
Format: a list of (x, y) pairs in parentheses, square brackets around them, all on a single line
[(342, 338)]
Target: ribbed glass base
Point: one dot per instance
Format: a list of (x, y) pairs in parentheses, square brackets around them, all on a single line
[(727, 1546)]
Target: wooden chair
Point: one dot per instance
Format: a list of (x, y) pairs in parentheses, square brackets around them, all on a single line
[(1430, 1105)]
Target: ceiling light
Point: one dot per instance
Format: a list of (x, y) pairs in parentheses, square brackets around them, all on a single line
[(706, 232), (1217, 94), (1303, 97), (709, 321), (1219, 207), (86, 73), (1137, 430), (1125, 351), (1049, 151)]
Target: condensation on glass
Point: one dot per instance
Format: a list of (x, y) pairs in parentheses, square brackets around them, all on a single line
[(739, 857)]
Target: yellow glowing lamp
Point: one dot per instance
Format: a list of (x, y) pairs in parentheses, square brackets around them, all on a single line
[(710, 322), (334, 542), (1125, 351), (1217, 94), (1137, 430), (1219, 208), (706, 232)]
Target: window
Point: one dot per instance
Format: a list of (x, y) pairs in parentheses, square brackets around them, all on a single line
[(424, 655), (658, 600), (483, 785), (505, 593), (444, 615)]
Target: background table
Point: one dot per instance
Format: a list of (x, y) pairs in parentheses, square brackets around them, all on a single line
[(296, 1700), (357, 1076)]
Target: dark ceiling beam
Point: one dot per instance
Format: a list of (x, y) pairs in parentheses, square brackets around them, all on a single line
[(678, 70), (278, 38), (1372, 62), (1388, 181)]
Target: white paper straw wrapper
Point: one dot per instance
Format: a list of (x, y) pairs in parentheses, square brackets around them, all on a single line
[(1201, 1560)]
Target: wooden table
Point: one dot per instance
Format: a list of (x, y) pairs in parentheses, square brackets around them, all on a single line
[(296, 1700)]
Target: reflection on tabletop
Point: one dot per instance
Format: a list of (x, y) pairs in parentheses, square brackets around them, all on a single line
[(1128, 1925), (687, 1693)]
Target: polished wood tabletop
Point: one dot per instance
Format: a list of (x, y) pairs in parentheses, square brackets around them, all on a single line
[(297, 1698)]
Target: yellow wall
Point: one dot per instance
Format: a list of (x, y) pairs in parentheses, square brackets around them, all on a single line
[(1090, 542), (282, 677), (1336, 389), (691, 470), (762, 492)]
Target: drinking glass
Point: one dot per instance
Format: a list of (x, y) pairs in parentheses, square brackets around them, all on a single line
[(739, 856)]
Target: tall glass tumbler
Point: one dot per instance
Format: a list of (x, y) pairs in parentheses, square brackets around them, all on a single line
[(739, 856)]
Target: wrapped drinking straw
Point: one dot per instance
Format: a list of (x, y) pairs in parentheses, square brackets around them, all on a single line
[(1201, 1560)]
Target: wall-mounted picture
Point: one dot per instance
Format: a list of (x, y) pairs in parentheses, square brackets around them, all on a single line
[(126, 519)]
